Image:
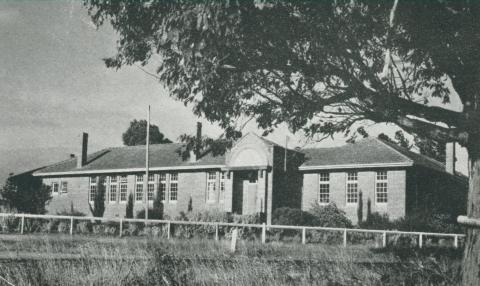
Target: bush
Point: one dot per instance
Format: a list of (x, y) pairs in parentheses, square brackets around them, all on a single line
[(329, 216), (291, 216), (63, 227), (9, 223), (377, 221), (71, 212), (84, 227), (429, 223)]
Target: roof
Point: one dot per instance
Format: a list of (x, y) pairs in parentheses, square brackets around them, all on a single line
[(132, 158), (368, 152)]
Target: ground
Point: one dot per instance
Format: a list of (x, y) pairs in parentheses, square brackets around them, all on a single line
[(89, 260)]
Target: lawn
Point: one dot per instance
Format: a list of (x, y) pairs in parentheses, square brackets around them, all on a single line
[(86, 260)]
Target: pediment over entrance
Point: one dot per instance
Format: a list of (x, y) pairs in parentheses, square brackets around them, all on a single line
[(250, 151)]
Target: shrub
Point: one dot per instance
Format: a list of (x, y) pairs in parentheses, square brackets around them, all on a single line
[(129, 207), (329, 216), (291, 216), (377, 221), (429, 223), (84, 227), (63, 227), (9, 223), (71, 212)]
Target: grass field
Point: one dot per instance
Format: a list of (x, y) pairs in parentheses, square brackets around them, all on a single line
[(65, 260)]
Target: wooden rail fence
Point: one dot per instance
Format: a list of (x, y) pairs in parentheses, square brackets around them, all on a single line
[(263, 227)]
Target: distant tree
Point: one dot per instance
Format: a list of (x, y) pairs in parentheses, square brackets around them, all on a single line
[(26, 194), (129, 208), (98, 208), (402, 141), (136, 134)]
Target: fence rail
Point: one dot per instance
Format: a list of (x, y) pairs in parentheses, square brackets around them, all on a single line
[(263, 227)]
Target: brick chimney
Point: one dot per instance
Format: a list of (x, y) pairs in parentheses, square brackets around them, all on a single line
[(450, 158), (82, 157), (198, 147)]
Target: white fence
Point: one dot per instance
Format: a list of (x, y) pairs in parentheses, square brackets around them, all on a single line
[(304, 229)]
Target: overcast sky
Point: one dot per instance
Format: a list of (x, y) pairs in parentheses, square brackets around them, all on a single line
[(54, 85)]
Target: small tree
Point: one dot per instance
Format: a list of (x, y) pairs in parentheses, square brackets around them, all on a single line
[(190, 205), (99, 199), (26, 194), (129, 208)]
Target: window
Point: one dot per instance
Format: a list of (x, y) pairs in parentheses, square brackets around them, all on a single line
[(381, 187), (173, 187), (352, 188), (222, 186), (163, 186), (324, 190), (211, 186), (55, 188), (64, 189), (93, 189), (139, 188), (113, 189), (123, 188), (151, 187)]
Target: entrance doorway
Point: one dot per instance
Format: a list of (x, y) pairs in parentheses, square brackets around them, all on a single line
[(245, 191)]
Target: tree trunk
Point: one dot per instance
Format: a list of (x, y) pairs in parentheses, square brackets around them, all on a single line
[(471, 260)]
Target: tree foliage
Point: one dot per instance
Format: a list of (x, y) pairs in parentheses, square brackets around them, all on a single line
[(318, 66), (129, 207), (98, 207), (26, 194), (136, 134)]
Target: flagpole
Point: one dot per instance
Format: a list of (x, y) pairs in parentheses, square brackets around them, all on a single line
[(285, 155), (145, 182)]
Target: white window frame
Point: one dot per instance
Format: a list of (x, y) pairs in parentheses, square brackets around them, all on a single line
[(139, 188), (173, 188), (123, 189), (381, 186), (113, 184), (151, 187), (221, 196), (323, 182), (211, 186), (352, 181), (163, 186), (92, 191), (55, 186)]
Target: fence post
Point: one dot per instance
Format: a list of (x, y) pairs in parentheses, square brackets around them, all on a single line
[(168, 230), (455, 241), (384, 239), (216, 231), (23, 222), (304, 235), (71, 225), (345, 238), (264, 233), (121, 227), (420, 240)]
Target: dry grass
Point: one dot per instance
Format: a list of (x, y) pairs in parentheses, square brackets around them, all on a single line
[(64, 260)]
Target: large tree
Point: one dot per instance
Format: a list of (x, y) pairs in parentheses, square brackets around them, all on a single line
[(136, 134), (26, 193), (321, 67)]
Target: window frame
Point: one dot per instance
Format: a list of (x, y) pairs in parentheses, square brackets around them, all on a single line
[(382, 180), (211, 182), (139, 188), (323, 183), (113, 182), (55, 185), (123, 183), (173, 181), (151, 187), (351, 182), (163, 186), (92, 190)]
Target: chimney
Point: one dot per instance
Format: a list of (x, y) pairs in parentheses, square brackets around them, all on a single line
[(82, 157), (198, 138), (450, 158)]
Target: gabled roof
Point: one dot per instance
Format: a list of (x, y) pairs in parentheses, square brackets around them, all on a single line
[(132, 158), (365, 153)]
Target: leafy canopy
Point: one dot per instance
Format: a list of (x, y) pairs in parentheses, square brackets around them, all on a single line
[(317, 66), (136, 134)]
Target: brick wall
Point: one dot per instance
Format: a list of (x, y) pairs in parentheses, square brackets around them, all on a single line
[(190, 185), (395, 207)]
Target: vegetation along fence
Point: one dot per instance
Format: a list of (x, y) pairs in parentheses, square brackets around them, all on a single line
[(32, 223)]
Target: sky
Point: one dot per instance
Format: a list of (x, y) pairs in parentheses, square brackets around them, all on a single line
[(54, 85)]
